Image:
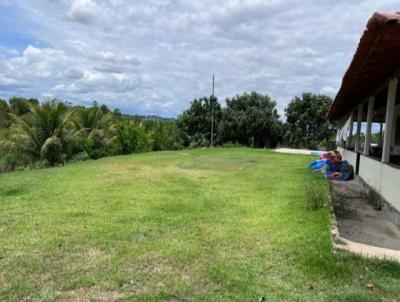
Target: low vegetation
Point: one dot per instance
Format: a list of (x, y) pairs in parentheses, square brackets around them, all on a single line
[(317, 193), (223, 224)]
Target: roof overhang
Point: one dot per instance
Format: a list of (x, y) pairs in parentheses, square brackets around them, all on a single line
[(376, 60)]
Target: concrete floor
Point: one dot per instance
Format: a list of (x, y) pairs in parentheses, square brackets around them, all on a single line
[(357, 219)]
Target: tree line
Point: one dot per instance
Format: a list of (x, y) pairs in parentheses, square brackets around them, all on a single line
[(252, 119), (52, 132)]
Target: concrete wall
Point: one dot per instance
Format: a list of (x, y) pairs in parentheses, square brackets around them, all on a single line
[(383, 178), (390, 185), (371, 172)]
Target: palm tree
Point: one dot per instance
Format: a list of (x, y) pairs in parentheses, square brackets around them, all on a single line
[(92, 130), (44, 132), (129, 136), (4, 111), (87, 119)]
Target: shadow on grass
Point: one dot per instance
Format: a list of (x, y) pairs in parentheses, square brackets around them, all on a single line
[(8, 192)]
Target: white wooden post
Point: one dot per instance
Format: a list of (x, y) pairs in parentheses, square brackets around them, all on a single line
[(359, 118), (371, 102), (391, 100)]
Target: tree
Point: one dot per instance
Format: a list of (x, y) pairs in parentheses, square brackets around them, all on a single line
[(87, 119), (43, 133), (250, 119), (306, 121), (194, 124), (4, 114), (104, 109), (21, 106), (162, 134), (92, 130), (129, 137), (54, 131)]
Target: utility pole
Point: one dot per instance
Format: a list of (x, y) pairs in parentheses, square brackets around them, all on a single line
[(212, 113)]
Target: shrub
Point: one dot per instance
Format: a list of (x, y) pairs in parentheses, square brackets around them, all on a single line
[(51, 150), (40, 164), (231, 145), (97, 144), (317, 195), (11, 156), (199, 141), (81, 156)]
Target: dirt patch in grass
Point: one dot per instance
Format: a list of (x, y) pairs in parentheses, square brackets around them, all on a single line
[(148, 174), (216, 163), (90, 294), (95, 255)]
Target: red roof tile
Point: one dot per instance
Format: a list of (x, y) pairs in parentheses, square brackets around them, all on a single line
[(377, 57)]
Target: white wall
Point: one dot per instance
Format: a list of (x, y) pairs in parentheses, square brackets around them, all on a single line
[(383, 178), (371, 172), (350, 156), (390, 185)]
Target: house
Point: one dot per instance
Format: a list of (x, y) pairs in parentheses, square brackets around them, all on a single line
[(367, 111)]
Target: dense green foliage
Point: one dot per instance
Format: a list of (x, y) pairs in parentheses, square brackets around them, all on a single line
[(4, 114), (306, 121), (194, 124), (251, 120), (247, 119), (222, 224), (52, 132)]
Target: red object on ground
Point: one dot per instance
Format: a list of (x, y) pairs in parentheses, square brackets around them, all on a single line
[(376, 59), (327, 155)]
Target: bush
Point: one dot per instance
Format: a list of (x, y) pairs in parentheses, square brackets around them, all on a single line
[(11, 156), (231, 145), (51, 150), (81, 156), (96, 144), (199, 141), (317, 195), (40, 164)]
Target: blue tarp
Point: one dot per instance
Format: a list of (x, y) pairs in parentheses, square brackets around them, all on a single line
[(333, 170)]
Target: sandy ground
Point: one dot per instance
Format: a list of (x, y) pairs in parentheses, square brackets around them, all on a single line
[(298, 151), (357, 219)]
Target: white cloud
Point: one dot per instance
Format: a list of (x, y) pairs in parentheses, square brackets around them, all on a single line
[(73, 73), (36, 62), (84, 11), (117, 58), (329, 91)]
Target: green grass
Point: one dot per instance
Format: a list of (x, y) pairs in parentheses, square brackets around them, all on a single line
[(200, 225)]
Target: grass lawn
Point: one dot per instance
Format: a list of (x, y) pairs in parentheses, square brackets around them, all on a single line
[(200, 225)]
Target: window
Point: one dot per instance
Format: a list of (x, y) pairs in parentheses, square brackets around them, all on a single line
[(395, 148), (363, 129), (352, 132), (378, 125), (342, 134), (395, 152), (397, 134)]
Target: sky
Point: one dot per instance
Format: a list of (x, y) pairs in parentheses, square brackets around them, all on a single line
[(154, 57)]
